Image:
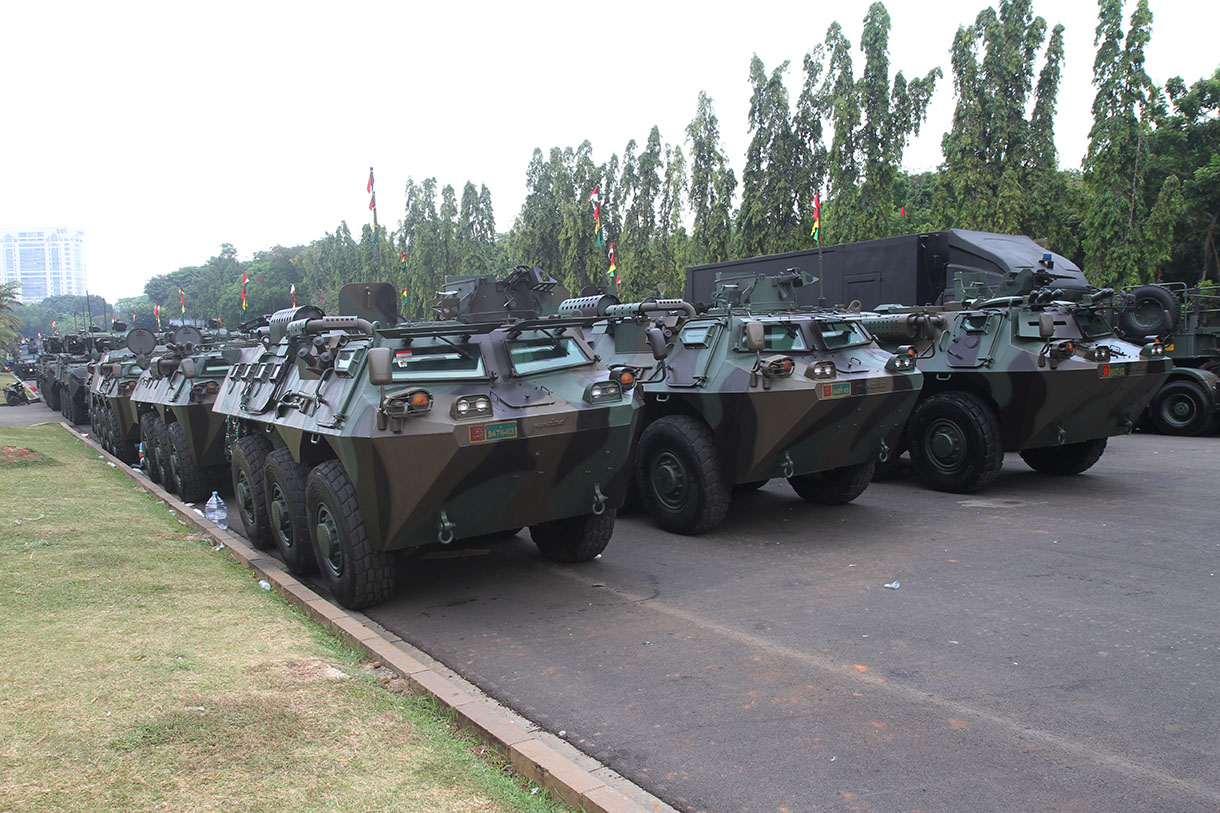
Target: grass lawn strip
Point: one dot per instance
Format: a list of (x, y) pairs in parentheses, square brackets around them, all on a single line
[(143, 670)]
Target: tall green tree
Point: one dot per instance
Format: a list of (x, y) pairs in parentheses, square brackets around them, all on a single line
[(712, 184), (769, 218), (1116, 245)]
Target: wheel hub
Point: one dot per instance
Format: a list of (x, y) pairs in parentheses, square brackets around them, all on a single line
[(669, 479), (946, 445), (281, 519), (245, 498), (327, 536), (1180, 410)]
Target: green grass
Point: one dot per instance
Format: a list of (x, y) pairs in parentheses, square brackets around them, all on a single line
[(143, 669)]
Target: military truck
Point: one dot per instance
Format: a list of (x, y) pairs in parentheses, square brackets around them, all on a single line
[(1017, 354), (1187, 321), (752, 388), (356, 437), (113, 415), (174, 398)]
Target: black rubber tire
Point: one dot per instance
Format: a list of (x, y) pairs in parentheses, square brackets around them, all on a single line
[(163, 455), (357, 575), (248, 458), (1149, 310), (1181, 408), (746, 488), (678, 472), (120, 446), (955, 443), (287, 518), (835, 487), (1071, 458), (12, 398), (148, 436), (575, 539), (1212, 366), (191, 479)]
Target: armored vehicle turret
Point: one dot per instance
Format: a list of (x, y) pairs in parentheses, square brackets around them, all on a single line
[(1027, 367), (174, 398), (754, 388), (358, 436)]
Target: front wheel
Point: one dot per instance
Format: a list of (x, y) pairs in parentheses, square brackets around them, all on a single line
[(575, 539), (148, 437), (677, 468), (1180, 408), (835, 487), (357, 575), (120, 446), (1071, 458), (192, 480), (955, 443), (287, 519)]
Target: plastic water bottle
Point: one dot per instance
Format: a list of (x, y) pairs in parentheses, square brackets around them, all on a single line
[(140, 461), (215, 511)]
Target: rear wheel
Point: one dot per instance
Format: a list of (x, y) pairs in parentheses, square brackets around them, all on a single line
[(1181, 408), (148, 437), (955, 443), (192, 480), (248, 459), (678, 472), (287, 518), (575, 539), (357, 575), (835, 487), (1071, 458)]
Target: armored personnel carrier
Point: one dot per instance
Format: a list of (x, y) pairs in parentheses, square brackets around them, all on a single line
[(357, 436), (70, 376), (174, 398), (754, 388), (1187, 323), (112, 413), (1033, 369), (44, 371)]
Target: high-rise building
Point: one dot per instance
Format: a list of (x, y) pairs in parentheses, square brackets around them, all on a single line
[(46, 262)]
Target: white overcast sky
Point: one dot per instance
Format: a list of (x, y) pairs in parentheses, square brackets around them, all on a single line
[(165, 129)]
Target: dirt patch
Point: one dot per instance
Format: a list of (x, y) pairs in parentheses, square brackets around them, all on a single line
[(20, 455)]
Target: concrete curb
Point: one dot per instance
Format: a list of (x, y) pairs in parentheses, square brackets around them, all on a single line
[(547, 760)]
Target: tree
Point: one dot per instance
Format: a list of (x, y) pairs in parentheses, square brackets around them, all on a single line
[(711, 187), (1117, 251), (10, 320)]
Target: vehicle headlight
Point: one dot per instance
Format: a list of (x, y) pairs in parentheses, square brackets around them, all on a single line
[(472, 406), (821, 369), (1152, 350), (1099, 353), (778, 366), (625, 376), (418, 402), (600, 392)]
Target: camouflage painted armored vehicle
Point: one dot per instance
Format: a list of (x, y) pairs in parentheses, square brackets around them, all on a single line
[(1187, 323), (70, 376), (174, 398), (754, 388), (112, 413), (25, 360), (1033, 369), (44, 370), (358, 436)]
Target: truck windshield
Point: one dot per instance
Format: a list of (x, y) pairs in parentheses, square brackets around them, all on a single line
[(837, 335), (1092, 324), (439, 362), (545, 353)]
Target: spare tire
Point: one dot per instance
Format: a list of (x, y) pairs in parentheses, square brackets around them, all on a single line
[(1149, 310)]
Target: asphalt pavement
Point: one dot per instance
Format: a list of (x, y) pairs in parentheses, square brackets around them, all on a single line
[(1050, 644)]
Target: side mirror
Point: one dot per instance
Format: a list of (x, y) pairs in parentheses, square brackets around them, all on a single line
[(656, 343), (1046, 325), (188, 369), (756, 337), (380, 365)]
